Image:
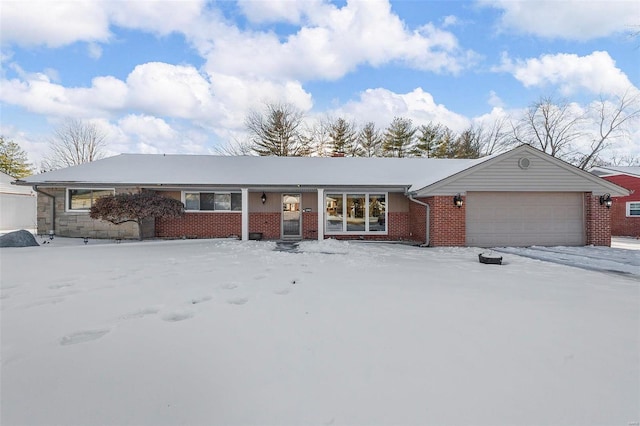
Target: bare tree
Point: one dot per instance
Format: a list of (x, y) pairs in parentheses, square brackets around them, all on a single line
[(495, 137), (551, 127), (277, 131), (75, 142), (236, 148), (612, 121)]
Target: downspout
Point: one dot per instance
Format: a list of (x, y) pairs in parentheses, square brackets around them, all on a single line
[(427, 236), (53, 210)]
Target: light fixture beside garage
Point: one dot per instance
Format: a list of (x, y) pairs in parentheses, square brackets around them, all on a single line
[(263, 198), (606, 200), (457, 200)]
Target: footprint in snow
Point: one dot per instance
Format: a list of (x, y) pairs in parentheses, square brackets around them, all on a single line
[(177, 316), (61, 285), (238, 300), (83, 337), (141, 313), (229, 286), (201, 299), (282, 291)]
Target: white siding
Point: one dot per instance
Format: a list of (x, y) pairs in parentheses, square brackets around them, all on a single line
[(543, 175)]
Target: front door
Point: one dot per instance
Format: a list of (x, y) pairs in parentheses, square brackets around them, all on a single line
[(291, 216)]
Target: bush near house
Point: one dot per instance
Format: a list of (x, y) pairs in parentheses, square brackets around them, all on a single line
[(121, 208)]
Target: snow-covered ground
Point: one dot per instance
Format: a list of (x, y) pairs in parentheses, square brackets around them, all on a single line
[(223, 332)]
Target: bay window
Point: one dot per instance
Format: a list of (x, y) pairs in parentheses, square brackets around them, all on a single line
[(355, 213)]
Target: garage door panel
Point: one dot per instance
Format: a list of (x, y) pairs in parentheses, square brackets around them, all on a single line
[(524, 219)]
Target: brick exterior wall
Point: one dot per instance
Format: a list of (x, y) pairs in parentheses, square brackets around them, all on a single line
[(267, 223), (621, 225), (310, 225), (598, 221), (417, 222), (447, 223), (79, 224), (200, 225)]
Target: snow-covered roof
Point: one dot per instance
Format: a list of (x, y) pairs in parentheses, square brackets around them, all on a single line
[(251, 171), (7, 188), (616, 170)]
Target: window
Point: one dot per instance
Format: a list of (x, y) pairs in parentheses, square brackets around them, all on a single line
[(354, 213), (213, 201), (633, 208), (81, 199)]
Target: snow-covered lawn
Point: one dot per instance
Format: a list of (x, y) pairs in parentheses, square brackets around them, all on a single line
[(223, 332)]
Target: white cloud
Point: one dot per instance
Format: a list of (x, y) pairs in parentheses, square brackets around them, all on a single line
[(53, 23), (332, 43), (596, 73), (381, 105), (568, 19), (94, 50), (495, 100), (279, 10)]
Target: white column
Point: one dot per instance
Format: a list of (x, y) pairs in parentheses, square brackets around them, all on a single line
[(320, 214), (245, 214)]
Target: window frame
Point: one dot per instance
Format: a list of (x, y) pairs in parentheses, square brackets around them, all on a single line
[(183, 197), (67, 201), (635, 208), (367, 195)]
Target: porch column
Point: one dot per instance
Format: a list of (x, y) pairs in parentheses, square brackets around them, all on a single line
[(245, 214), (320, 214)]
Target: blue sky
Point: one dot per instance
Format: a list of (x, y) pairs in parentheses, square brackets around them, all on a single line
[(180, 76)]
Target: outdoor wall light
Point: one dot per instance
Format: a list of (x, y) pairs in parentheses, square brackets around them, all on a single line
[(85, 239), (606, 200), (52, 233), (264, 198), (457, 200)]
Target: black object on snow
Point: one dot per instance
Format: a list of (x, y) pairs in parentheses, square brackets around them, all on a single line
[(490, 260)]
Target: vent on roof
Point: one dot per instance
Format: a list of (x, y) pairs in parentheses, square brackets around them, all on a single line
[(524, 163)]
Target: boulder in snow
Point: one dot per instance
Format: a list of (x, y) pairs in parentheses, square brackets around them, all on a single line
[(20, 238)]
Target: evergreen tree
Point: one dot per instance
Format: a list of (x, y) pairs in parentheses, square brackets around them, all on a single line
[(370, 141), (445, 146), (342, 135), (466, 145), (13, 160), (399, 138), (428, 139)]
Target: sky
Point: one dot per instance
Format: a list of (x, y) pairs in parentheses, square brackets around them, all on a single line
[(181, 76)]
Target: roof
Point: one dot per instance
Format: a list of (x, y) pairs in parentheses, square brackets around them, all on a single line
[(7, 188), (251, 171), (616, 170)]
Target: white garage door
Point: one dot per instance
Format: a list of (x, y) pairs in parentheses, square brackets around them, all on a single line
[(498, 219)]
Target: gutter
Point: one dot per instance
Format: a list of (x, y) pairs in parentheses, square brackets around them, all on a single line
[(53, 210), (427, 236)]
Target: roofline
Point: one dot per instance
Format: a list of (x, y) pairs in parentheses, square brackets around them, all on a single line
[(534, 151), (613, 172)]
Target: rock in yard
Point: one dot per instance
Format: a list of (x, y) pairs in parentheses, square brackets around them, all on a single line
[(20, 238)]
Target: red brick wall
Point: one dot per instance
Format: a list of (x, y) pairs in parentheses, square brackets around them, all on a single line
[(621, 225), (417, 222), (200, 225), (447, 222), (598, 220), (310, 225), (267, 223)]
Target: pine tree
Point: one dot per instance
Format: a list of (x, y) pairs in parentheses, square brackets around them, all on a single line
[(399, 138), (370, 141), (428, 139), (13, 160), (342, 135)]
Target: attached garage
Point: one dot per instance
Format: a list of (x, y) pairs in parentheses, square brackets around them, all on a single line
[(495, 219)]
